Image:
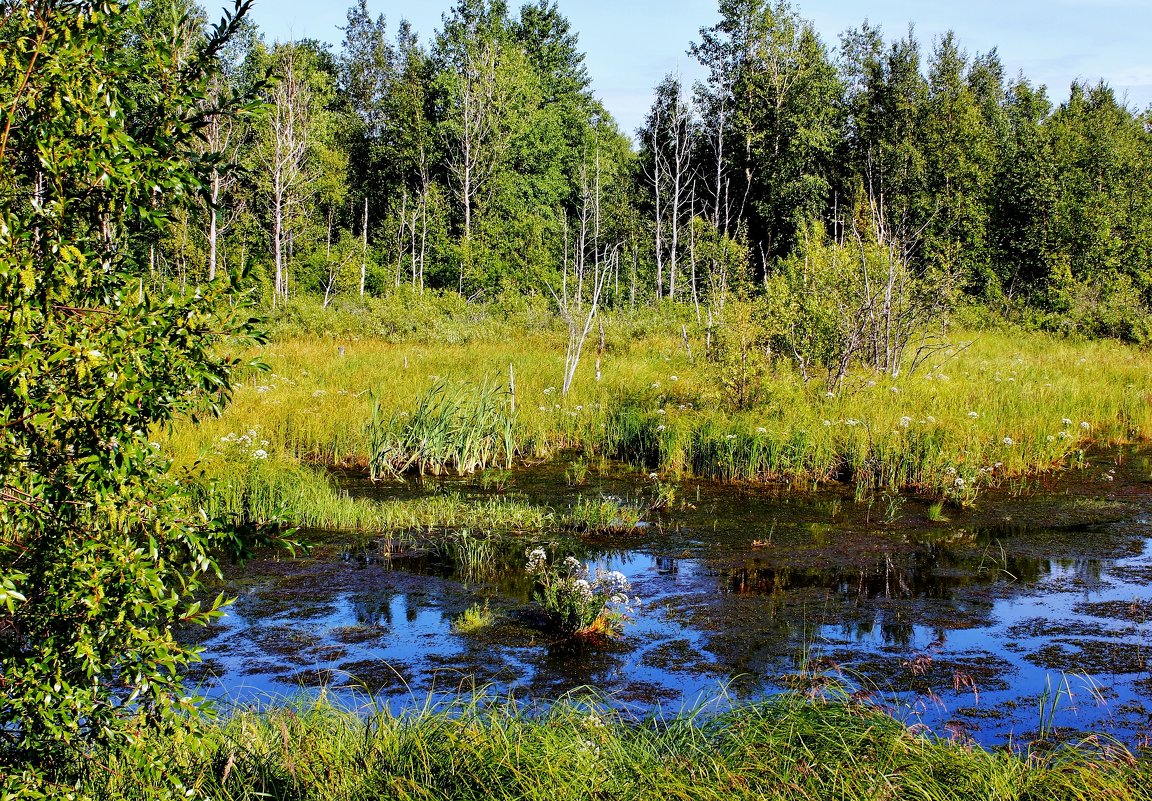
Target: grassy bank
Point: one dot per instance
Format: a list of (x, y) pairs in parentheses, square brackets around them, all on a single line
[(788, 748), (995, 406)]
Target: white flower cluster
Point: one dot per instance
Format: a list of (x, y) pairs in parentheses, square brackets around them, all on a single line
[(246, 444), (537, 561)]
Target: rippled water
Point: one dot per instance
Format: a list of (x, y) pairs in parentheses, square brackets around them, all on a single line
[(1028, 615)]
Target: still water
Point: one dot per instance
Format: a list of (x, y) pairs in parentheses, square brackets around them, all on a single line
[(1030, 614)]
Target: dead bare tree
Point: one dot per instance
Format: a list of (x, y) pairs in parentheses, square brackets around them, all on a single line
[(671, 131), (578, 322), (284, 157)]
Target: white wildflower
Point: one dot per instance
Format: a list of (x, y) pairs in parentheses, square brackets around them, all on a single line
[(260, 454), (973, 415), (536, 559), (1085, 426), (1008, 441)]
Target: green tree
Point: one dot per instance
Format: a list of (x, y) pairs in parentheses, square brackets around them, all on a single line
[(1023, 194), (101, 548), (785, 97), (960, 157)]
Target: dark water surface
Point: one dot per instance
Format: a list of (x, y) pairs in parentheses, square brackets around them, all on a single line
[(1028, 615)]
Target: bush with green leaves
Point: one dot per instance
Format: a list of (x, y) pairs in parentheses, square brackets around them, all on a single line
[(859, 301), (741, 352), (102, 549)]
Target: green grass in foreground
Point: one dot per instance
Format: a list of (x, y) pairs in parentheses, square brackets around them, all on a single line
[(787, 748)]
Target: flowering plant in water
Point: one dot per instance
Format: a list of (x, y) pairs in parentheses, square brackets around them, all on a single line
[(577, 599)]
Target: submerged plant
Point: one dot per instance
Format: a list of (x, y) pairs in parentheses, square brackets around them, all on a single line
[(577, 600)]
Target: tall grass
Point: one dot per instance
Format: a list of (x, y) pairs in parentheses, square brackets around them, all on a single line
[(463, 428), (489, 748), (1007, 405), (272, 490)]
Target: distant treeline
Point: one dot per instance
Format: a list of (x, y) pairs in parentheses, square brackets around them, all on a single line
[(482, 162)]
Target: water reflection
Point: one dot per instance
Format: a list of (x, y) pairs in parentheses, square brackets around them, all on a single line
[(745, 593)]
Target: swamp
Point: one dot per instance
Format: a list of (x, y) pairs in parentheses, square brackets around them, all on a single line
[(396, 417), (1026, 619)]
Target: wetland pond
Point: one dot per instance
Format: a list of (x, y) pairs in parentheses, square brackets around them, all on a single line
[(1028, 616)]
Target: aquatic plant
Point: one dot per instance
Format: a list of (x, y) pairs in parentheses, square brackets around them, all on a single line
[(576, 599), (475, 618), (495, 480), (602, 515), (472, 554), (577, 473)]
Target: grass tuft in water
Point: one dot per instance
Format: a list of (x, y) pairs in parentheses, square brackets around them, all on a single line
[(475, 618)]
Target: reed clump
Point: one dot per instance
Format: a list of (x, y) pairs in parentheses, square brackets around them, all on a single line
[(461, 428)]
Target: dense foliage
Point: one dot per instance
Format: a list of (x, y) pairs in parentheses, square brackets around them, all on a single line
[(101, 550), (481, 161)]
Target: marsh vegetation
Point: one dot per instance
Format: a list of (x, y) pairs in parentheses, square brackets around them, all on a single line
[(401, 379)]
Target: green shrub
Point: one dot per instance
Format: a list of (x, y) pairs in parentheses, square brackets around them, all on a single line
[(101, 548)]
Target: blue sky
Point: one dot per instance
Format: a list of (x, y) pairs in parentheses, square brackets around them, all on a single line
[(632, 44)]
